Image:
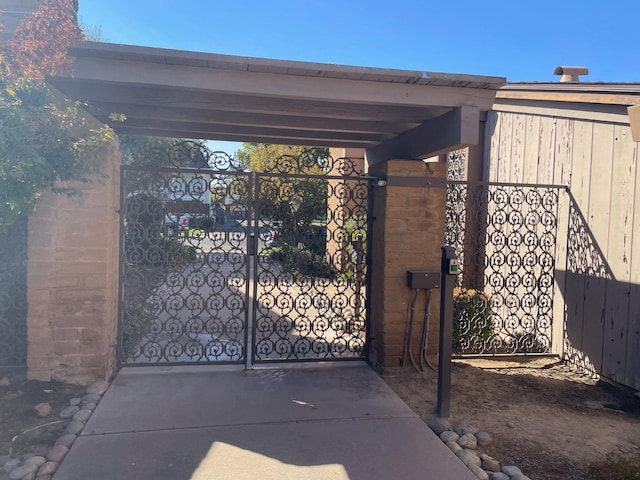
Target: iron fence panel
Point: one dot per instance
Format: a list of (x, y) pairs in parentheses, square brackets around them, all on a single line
[(505, 237)]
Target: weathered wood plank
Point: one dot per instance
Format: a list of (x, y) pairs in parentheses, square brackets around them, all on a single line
[(574, 296), (519, 136), (546, 150), (632, 372), (619, 253), (561, 176), (599, 113), (531, 149), (571, 97), (504, 148), (597, 231), (492, 140), (504, 170)]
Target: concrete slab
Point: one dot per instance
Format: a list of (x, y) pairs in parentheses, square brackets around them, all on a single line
[(196, 423), (142, 399)]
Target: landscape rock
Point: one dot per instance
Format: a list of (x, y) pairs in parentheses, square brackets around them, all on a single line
[(91, 398), (5, 382), (468, 440), (498, 476), (43, 410), (74, 427), (520, 477), (478, 472), (44, 477), (66, 440), (69, 412), (449, 436), (22, 471), (484, 439), (57, 453), (453, 446), (511, 470), (48, 468), (464, 429), (74, 401), (469, 457), (89, 406), (98, 388), (439, 425), (36, 460), (82, 415), (511, 425), (489, 463), (11, 464)]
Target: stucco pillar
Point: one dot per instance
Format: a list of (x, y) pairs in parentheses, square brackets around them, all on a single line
[(408, 233), (72, 278)]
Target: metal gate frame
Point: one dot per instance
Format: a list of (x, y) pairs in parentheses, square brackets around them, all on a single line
[(195, 160)]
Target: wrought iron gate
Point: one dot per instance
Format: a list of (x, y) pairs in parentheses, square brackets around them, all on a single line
[(222, 265), (505, 236)]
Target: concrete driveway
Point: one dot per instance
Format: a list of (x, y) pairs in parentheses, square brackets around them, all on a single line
[(318, 422)]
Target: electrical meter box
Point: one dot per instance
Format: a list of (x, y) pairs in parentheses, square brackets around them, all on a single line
[(420, 280)]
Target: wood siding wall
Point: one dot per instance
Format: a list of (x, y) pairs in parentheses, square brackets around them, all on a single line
[(597, 301)]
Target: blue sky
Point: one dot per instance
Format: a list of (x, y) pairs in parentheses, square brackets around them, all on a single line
[(518, 39)]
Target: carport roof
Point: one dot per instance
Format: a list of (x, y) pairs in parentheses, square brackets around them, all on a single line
[(220, 97)]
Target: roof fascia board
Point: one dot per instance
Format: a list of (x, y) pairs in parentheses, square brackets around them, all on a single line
[(278, 85)]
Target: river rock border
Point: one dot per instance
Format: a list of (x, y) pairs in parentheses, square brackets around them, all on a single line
[(464, 440), (38, 467)]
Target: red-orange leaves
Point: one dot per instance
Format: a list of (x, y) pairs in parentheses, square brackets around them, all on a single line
[(40, 43)]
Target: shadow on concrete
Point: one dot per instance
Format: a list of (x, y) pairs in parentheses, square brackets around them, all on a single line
[(315, 423)]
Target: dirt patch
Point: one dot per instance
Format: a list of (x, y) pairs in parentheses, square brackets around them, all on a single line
[(19, 419), (544, 416)]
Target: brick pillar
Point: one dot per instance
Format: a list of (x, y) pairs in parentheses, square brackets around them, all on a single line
[(408, 233), (72, 280), (341, 205)]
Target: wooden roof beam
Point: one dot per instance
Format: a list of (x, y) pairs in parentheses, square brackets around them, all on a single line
[(278, 140), (249, 119), (219, 129), (456, 129)]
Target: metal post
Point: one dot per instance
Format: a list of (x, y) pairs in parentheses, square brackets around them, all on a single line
[(357, 245), (448, 278)]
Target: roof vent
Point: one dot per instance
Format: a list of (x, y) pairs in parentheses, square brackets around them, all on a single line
[(570, 74)]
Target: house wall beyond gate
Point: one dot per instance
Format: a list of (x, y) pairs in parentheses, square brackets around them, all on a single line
[(587, 147)]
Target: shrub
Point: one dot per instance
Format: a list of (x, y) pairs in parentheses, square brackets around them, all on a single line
[(472, 325), (202, 223), (616, 467), (178, 255), (136, 321), (302, 261)]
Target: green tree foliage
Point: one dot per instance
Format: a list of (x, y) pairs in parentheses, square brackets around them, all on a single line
[(39, 148), (279, 194), (137, 150)]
